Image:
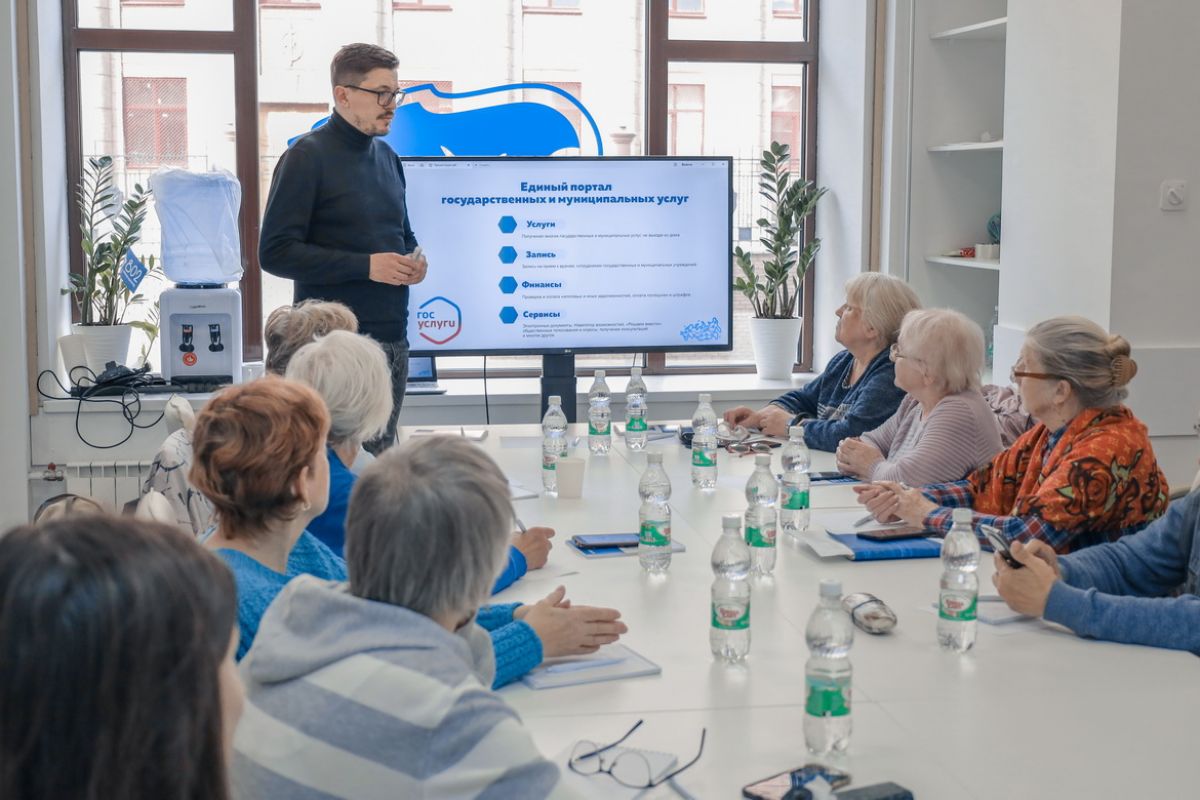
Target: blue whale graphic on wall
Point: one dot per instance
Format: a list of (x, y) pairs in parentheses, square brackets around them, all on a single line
[(507, 129)]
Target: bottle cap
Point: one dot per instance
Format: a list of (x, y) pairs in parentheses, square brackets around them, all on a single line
[(762, 460), (653, 458), (705, 398), (636, 372), (731, 520), (962, 515), (599, 374), (796, 431), (831, 588), (555, 400)]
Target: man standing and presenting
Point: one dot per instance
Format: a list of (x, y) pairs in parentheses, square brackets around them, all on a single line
[(336, 220)]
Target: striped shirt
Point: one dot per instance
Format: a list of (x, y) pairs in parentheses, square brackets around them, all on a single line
[(959, 435), (350, 698)]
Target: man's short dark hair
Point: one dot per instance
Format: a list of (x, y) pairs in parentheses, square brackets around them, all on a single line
[(354, 61)]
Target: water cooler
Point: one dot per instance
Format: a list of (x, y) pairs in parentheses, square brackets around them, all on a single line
[(200, 317)]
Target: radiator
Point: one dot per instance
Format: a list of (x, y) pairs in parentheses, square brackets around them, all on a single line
[(111, 483)]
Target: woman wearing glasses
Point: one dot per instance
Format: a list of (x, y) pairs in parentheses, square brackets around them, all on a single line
[(1083, 475), (378, 687), (857, 390), (944, 428)]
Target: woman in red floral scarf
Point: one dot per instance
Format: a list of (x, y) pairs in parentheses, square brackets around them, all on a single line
[(1085, 474)]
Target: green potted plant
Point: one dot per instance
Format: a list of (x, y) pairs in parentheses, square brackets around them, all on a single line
[(775, 291), (110, 228)]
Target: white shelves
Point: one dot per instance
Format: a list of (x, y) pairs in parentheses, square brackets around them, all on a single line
[(968, 147), (992, 264), (993, 30)]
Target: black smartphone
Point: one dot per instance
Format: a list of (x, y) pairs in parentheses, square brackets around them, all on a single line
[(776, 786), (1000, 545), (602, 541), (894, 534), (826, 476)]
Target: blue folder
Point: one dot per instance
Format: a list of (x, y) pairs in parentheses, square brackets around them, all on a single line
[(868, 550)]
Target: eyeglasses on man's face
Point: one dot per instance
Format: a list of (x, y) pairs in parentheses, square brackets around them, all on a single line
[(628, 767), (385, 97)]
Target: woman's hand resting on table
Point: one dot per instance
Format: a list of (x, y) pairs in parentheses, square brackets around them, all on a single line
[(567, 630)]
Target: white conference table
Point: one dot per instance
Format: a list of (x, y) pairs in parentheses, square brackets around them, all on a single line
[(1031, 711)]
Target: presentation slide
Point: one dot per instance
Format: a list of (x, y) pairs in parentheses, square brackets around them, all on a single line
[(571, 255)]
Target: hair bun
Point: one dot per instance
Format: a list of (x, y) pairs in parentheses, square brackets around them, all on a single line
[(1123, 370)]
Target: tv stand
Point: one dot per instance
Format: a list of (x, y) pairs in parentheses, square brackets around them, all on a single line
[(558, 377)]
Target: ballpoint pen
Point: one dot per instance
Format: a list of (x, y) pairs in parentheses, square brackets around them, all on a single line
[(520, 524), (868, 518)]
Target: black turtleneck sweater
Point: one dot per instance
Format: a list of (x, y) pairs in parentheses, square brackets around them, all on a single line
[(336, 198)]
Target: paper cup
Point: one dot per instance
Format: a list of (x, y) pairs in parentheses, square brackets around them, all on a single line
[(570, 477)]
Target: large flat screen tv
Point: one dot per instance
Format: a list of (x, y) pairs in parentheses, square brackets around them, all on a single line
[(571, 255)]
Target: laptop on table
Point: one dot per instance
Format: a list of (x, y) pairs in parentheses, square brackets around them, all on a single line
[(422, 376)]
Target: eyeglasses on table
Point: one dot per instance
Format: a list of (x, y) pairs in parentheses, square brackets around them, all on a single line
[(628, 768)]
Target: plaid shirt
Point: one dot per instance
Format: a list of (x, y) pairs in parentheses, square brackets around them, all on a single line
[(949, 496)]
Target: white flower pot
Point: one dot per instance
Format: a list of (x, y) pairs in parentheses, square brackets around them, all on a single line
[(74, 354), (775, 343), (104, 343)]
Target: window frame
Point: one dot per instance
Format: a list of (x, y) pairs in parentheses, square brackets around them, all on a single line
[(242, 44), (676, 13), (127, 107), (661, 52)]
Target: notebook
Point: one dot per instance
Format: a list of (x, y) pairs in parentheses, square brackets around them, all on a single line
[(422, 376), (610, 663), (617, 552), (868, 550)]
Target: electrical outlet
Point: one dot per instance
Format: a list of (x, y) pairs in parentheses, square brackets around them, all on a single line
[(1173, 196)]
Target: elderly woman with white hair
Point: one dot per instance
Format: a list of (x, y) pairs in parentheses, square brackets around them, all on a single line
[(379, 687), (350, 373), (1085, 474), (944, 428), (857, 390)]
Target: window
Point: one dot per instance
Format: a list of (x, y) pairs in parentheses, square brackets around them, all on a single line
[(229, 82), (685, 119), (687, 8), (551, 5), (786, 106), (155, 117), (428, 100)]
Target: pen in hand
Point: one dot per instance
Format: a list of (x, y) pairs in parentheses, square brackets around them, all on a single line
[(520, 525)]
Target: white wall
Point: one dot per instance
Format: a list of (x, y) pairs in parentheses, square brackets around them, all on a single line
[(846, 58), (14, 403)]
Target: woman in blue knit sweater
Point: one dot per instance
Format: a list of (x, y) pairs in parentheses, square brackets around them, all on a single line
[(857, 391), (350, 372)]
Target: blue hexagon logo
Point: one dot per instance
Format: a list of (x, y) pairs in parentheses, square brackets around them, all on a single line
[(508, 254), (508, 315), (439, 320), (508, 284), (507, 224)]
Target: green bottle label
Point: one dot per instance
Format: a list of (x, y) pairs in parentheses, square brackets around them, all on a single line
[(594, 431), (655, 534), (760, 537), (636, 424), (703, 459), (827, 698), (731, 616), (958, 606), (796, 500), (549, 461)]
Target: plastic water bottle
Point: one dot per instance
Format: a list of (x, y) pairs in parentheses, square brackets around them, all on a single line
[(654, 516), (793, 492), (729, 634), (827, 673), (635, 411), (960, 585), (762, 493), (704, 445), (599, 416), (554, 443)]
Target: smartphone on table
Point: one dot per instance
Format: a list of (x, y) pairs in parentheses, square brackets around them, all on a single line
[(776, 786), (604, 541), (895, 534)]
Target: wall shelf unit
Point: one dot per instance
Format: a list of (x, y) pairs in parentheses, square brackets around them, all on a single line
[(972, 263), (969, 147), (993, 30)]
